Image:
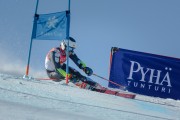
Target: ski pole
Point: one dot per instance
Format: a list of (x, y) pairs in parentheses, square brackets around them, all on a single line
[(121, 86)]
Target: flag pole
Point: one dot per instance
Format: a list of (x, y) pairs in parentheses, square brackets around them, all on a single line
[(27, 67), (67, 37)]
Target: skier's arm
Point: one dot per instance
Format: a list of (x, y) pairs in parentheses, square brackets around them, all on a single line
[(81, 64), (77, 61)]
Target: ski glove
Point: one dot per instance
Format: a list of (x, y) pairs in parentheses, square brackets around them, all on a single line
[(88, 71)]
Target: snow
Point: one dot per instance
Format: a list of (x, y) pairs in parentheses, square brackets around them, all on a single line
[(30, 99)]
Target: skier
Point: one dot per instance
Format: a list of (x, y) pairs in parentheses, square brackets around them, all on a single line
[(56, 67)]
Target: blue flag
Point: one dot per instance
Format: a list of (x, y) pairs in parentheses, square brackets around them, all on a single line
[(51, 26)]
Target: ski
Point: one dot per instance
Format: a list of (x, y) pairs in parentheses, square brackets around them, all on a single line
[(120, 93), (101, 89)]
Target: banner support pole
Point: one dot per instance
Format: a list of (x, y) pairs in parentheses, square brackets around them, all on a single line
[(67, 37), (27, 67)]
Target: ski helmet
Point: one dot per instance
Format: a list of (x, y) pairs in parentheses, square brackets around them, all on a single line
[(72, 44)]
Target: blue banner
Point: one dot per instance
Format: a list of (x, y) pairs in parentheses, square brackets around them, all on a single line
[(50, 26), (147, 74)]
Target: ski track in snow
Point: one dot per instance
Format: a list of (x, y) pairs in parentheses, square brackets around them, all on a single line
[(31, 99)]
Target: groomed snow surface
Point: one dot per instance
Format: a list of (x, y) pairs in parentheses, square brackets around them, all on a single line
[(31, 99)]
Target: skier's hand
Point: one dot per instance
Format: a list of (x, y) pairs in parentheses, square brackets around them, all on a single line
[(88, 71)]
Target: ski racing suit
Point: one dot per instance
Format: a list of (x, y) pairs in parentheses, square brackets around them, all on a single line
[(56, 68)]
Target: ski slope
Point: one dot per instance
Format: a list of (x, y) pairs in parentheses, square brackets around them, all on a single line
[(31, 99)]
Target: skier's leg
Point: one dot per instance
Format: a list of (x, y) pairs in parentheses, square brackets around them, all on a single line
[(58, 76), (55, 76), (82, 81), (76, 75)]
